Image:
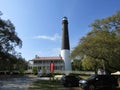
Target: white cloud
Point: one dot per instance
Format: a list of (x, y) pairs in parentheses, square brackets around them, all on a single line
[(52, 38)]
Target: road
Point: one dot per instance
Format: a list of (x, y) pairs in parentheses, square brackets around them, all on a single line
[(20, 83)]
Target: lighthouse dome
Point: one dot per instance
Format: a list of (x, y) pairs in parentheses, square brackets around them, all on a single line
[(64, 18)]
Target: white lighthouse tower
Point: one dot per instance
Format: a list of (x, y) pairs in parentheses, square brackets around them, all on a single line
[(65, 49)]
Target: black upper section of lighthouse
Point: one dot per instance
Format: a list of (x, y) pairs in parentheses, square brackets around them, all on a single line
[(65, 34)]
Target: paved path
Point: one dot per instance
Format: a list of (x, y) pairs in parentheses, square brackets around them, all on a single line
[(20, 83)]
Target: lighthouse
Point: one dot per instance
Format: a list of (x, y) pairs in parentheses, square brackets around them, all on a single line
[(65, 49)]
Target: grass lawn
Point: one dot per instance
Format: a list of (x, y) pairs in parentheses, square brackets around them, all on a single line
[(46, 84), (54, 85), (50, 85)]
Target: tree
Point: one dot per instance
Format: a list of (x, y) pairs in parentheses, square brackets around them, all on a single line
[(102, 43), (8, 37), (89, 63), (77, 65), (34, 70), (8, 41)]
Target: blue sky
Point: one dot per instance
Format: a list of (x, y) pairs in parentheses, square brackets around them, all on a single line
[(38, 22)]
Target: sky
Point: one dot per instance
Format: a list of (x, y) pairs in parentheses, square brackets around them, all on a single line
[(39, 22)]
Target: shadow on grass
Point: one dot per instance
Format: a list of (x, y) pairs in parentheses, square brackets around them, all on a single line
[(109, 89), (55, 85), (50, 85)]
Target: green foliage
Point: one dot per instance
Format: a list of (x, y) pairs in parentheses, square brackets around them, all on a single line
[(34, 70), (44, 71), (8, 36), (10, 60), (21, 71), (102, 44), (89, 63), (77, 65)]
